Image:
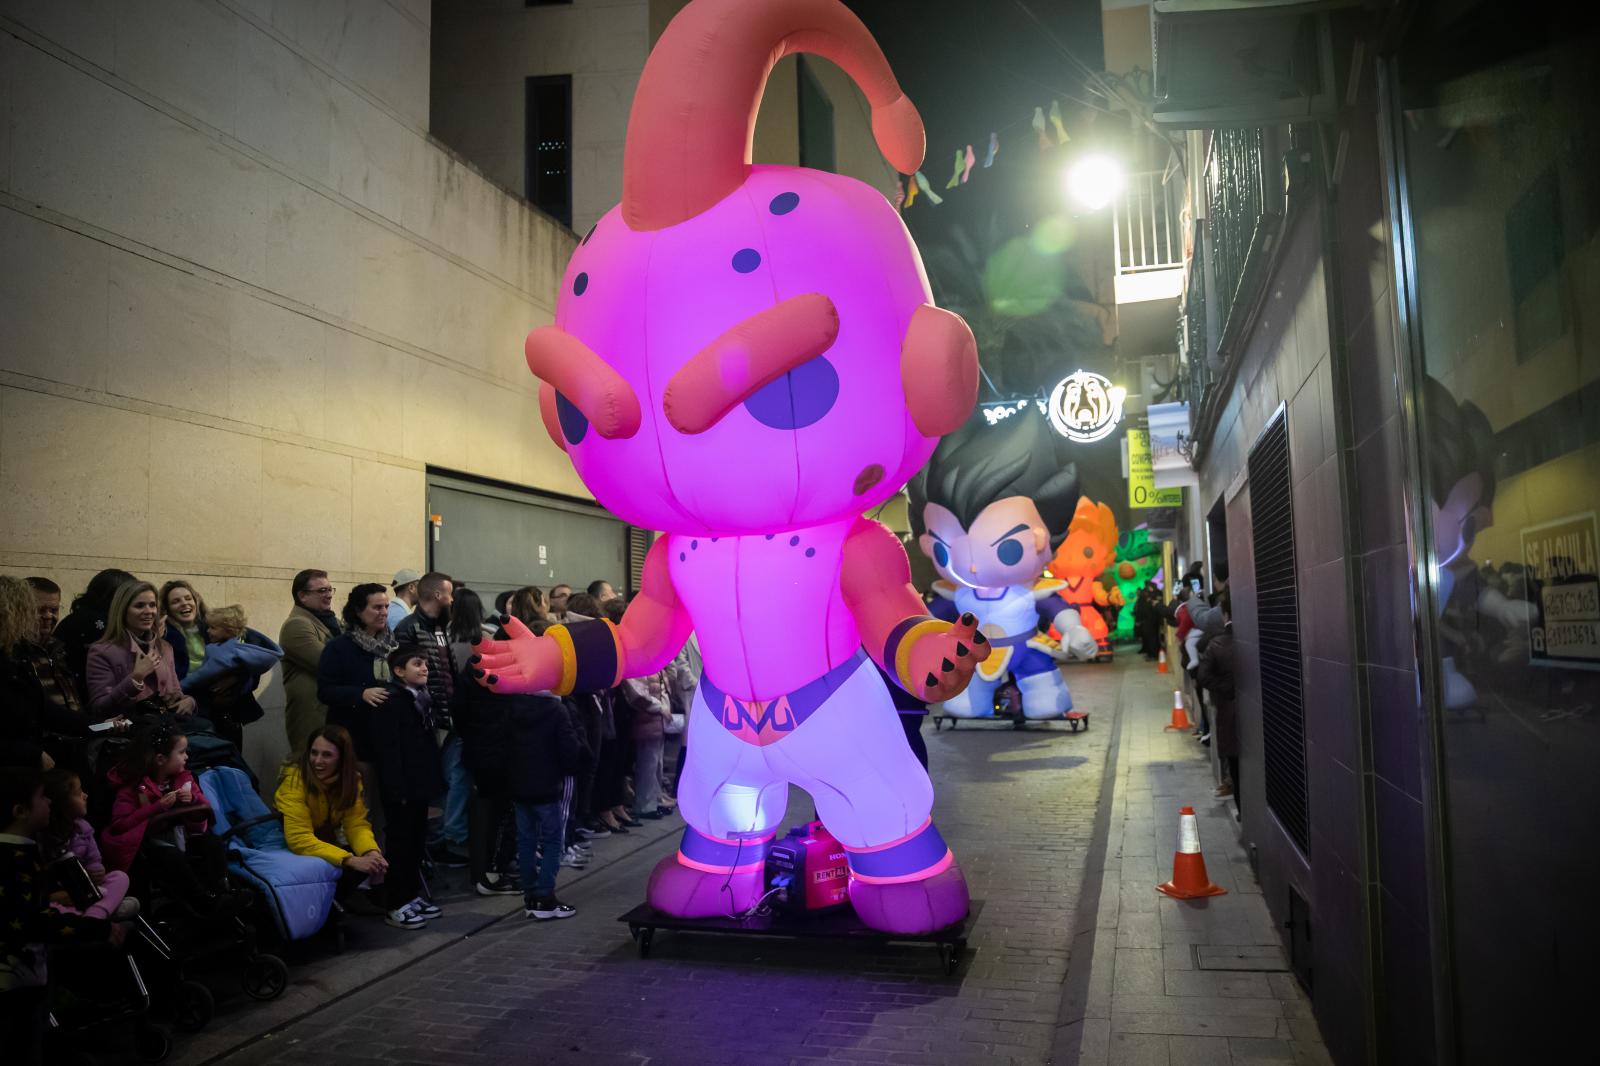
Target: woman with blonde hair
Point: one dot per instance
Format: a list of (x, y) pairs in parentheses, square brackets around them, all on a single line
[(236, 658), (130, 667), (185, 614)]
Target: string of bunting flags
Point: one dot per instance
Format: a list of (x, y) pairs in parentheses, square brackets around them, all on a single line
[(1047, 124)]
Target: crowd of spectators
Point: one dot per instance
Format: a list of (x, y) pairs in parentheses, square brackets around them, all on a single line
[(399, 764)]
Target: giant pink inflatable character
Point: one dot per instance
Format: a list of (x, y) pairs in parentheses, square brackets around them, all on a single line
[(748, 358)]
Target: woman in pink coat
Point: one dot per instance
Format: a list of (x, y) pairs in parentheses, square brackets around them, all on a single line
[(129, 669)]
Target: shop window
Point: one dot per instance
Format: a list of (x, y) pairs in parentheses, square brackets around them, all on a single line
[(549, 145), (1497, 144)]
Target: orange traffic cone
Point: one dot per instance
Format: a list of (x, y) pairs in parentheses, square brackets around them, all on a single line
[(1189, 877), (1180, 717), (1161, 663)]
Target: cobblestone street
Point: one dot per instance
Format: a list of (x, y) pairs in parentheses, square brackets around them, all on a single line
[(1017, 807)]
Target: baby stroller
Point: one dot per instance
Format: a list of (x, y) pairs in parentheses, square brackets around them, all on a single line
[(297, 890), (185, 935), (99, 989)]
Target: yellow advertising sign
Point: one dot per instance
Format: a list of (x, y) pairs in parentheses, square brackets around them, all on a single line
[(1142, 491)]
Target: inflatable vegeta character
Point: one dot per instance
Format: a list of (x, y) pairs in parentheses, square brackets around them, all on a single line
[(988, 509), (748, 358)]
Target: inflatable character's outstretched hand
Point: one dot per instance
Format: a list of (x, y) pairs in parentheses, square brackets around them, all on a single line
[(941, 661), (525, 663)]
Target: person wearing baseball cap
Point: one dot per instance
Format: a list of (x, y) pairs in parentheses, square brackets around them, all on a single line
[(404, 600)]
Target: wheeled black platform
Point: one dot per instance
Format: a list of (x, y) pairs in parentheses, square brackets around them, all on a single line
[(644, 920), (1075, 720)]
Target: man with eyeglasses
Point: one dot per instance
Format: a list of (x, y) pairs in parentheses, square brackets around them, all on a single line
[(310, 625)]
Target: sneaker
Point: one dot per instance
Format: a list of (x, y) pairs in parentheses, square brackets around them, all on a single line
[(448, 857), (652, 816), (1224, 789), (545, 909), (502, 887), (423, 909), (127, 910), (573, 861), (404, 918), (594, 831), (1205, 739)]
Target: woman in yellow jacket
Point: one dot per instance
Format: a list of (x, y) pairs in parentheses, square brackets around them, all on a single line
[(319, 796)]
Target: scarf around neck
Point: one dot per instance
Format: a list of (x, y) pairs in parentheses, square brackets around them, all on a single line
[(380, 646)]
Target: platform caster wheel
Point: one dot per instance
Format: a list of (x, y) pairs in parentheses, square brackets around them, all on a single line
[(645, 937), (949, 958), (265, 977), (194, 1007), (151, 1042)]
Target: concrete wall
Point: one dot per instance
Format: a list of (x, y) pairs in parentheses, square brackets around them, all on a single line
[(1285, 362), (247, 300), (1126, 28), (485, 49)]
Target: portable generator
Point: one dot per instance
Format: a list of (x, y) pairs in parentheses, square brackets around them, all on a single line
[(807, 872)]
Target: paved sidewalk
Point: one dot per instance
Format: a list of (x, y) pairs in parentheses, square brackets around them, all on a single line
[(1019, 809), (1170, 982)]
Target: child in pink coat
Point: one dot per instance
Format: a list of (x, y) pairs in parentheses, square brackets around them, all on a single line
[(69, 835), (161, 816)]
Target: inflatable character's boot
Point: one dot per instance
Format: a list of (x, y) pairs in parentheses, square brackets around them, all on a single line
[(908, 887), (974, 701), (1459, 693), (708, 877), (1044, 695)]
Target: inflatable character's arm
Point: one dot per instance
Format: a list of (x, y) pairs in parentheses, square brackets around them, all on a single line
[(1100, 597), (1076, 640), (593, 655), (931, 659)]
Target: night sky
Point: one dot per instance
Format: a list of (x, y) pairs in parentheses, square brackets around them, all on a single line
[(972, 66)]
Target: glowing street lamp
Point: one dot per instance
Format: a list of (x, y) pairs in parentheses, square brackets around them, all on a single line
[(1095, 180)]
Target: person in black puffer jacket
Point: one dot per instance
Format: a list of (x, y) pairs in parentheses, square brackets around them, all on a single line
[(1216, 675)]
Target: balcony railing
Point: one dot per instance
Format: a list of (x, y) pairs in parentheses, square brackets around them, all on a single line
[(1193, 334), (1244, 204), (1145, 223)]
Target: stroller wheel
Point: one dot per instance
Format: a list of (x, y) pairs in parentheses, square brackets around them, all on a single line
[(265, 977), (194, 1007), (152, 1043)]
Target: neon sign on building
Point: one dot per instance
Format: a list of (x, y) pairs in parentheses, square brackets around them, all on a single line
[(1085, 406)]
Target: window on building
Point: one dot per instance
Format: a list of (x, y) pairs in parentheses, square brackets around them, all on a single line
[(1499, 136), (548, 3), (548, 181), (816, 120)]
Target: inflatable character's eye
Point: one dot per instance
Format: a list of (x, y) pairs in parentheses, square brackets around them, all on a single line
[(941, 554), (784, 202), (580, 283), (1010, 551), (1088, 553), (573, 425)]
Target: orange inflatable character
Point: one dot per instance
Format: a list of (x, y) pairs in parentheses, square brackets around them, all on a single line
[(1090, 545)]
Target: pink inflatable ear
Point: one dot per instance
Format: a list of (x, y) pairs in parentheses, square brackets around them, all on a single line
[(587, 381), (694, 114), (747, 358), (547, 412), (939, 369)]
